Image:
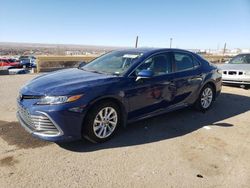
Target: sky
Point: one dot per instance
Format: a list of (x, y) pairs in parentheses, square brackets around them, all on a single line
[(193, 24)]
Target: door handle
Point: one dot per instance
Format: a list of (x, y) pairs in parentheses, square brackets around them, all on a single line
[(198, 77), (169, 83), (172, 83)]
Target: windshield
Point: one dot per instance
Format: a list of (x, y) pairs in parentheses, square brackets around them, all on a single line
[(23, 57), (241, 59), (12, 60), (25, 60), (116, 62), (4, 60)]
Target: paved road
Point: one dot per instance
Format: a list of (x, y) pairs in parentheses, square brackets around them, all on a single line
[(180, 149)]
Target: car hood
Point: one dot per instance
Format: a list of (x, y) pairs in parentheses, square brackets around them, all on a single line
[(66, 82), (243, 67)]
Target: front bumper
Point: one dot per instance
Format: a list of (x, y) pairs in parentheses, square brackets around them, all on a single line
[(235, 77), (236, 82), (52, 123)]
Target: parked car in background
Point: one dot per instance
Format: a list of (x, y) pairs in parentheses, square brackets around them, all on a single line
[(13, 60), (92, 101), (10, 63), (237, 71), (27, 61), (18, 71)]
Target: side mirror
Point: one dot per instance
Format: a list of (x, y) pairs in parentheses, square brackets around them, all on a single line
[(81, 64), (144, 74)]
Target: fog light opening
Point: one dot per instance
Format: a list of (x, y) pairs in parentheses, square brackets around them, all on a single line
[(77, 109)]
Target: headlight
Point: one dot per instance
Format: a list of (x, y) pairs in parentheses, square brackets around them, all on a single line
[(220, 71), (58, 99)]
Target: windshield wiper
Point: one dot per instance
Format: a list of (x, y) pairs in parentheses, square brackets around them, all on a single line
[(94, 71), (101, 72)]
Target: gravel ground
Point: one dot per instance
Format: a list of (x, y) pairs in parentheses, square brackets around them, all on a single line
[(180, 149)]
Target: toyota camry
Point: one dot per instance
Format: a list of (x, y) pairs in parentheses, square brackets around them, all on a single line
[(94, 100)]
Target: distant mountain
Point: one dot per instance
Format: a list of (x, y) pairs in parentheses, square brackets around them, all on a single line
[(67, 46)]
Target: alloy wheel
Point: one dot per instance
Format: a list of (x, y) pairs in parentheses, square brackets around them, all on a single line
[(105, 122), (206, 98)]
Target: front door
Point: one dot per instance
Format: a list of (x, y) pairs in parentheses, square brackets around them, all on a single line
[(150, 95)]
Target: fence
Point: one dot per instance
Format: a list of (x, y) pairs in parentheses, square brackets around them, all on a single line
[(217, 58), (50, 63)]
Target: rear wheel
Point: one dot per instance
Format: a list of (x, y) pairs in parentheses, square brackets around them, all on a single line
[(206, 98), (102, 122)]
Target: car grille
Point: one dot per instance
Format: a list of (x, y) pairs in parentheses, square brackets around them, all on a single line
[(31, 96), (233, 73), (40, 124)]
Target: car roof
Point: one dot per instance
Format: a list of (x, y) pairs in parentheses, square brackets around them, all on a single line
[(151, 50)]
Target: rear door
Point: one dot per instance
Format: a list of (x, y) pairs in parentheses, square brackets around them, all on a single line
[(187, 77)]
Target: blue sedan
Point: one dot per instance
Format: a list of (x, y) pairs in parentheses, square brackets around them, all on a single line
[(94, 100)]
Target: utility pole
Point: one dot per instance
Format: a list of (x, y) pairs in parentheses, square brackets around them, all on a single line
[(223, 53), (224, 49), (171, 39), (136, 42)]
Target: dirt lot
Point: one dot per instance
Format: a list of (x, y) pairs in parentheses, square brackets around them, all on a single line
[(180, 149)]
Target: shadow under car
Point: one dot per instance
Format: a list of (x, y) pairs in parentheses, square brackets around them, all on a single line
[(169, 125)]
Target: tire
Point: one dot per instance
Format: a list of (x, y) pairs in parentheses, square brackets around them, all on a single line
[(247, 87), (205, 99), (102, 122)]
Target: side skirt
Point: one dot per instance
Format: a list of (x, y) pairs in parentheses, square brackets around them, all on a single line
[(170, 109)]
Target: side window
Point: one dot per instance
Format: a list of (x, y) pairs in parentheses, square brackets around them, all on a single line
[(196, 62), (160, 64), (184, 61), (241, 59), (247, 59)]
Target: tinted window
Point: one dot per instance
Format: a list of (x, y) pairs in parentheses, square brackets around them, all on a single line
[(12, 60), (23, 57), (160, 64), (196, 62), (25, 60), (184, 61), (4, 60)]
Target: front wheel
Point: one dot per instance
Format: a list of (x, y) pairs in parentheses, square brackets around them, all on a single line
[(102, 122), (206, 98)]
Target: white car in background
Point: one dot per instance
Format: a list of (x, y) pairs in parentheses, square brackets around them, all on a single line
[(237, 71)]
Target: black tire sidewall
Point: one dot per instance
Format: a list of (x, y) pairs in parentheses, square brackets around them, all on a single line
[(88, 131)]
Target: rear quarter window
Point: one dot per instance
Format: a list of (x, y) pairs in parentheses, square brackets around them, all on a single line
[(184, 61)]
